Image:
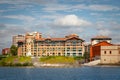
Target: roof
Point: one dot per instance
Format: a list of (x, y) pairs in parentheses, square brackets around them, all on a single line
[(53, 39), (103, 43), (21, 41), (101, 37), (59, 39)]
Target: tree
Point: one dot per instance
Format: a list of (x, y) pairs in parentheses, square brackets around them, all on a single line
[(13, 50), (86, 56)]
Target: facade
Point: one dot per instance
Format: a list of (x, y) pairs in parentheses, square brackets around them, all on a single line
[(98, 39), (5, 51), (35, 45), (17, 38), (95, 50), (110, 54)]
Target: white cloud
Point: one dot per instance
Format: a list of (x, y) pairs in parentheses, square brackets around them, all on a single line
[(71, 20), (21, 17), (103, 7), (68, 7), (28, 1)]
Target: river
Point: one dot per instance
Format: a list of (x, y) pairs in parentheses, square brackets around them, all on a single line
[(82, 73)]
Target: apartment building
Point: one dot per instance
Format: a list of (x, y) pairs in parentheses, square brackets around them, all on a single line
[(17, 38), (35, 45)]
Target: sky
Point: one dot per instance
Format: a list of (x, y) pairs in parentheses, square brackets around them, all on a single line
[(58, 18)]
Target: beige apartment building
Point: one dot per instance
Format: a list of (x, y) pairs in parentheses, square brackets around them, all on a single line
[(110, 54), (36, 46), (17, 38)]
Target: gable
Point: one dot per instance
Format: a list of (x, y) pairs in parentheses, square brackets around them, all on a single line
[(103, 43), (74, 38)]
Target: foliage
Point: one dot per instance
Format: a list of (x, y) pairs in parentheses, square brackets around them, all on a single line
[(16, 61), (24, 59), (57, 59), (13, 50), (78, 57), (86, 55)]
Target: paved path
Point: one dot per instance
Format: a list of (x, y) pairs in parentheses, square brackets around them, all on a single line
[(92, 63), (36, 62)]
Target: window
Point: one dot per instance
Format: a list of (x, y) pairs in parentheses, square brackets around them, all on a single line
[(74, 54), (104, 59), (53, 54), (110, 52), (68, 54), (104, 52), (80, 54), (59, 54)]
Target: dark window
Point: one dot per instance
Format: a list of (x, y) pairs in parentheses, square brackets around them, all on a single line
[(110, 52), (58, 54), (104, 52), (74, 54), (68, 54), (80, 54)]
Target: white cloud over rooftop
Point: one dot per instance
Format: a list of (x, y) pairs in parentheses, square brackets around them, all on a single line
[(71, 20)]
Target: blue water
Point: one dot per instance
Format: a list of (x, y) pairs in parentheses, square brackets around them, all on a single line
[(83, 73)]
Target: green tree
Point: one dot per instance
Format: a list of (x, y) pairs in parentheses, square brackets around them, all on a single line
[(13, 50), (86, 56)]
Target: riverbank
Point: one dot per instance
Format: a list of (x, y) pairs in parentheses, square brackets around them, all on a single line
[(15, 61)]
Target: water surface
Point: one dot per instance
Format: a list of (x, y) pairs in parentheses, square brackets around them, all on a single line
[(82, 73)]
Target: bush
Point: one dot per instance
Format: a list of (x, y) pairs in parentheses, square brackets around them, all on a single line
[(16, 61), (78, 57), (27, 64)]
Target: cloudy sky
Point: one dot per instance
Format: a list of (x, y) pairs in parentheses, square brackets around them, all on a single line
[(57, 18)]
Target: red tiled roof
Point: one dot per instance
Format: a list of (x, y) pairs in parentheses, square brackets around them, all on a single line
[(103, 43), (58, 39)]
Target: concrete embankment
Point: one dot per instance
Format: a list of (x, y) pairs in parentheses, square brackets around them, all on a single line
[(55, 65), (92, 63), (37, 63)]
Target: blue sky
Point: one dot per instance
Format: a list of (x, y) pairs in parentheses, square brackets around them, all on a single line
[(57, 18)]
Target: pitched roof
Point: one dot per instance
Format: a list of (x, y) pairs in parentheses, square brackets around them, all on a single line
[(103, 43), (58, 39), (101, 37)]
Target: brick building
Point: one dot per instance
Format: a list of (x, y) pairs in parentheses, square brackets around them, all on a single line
[(95, 50), (5, 51)]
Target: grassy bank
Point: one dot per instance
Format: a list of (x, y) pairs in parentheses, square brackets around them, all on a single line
[(15, 61), (58, 60)]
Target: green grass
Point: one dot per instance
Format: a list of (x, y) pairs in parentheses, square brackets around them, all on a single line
[(24, 59), (15, 61), (58, 59)]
